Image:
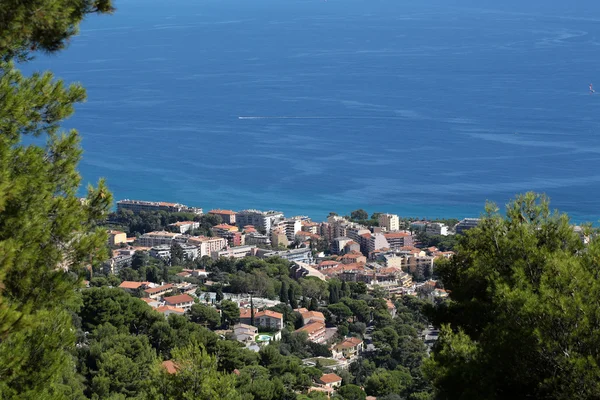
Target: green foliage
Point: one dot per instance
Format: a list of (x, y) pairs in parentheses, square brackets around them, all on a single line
[(341, 311), (384, 382), (42, 24), (314, 288), (351, 392), (519, 322), (116, 363), (444, 243), (197, 378), (359, 215), (205, 316), (230, 312), (47, 235)]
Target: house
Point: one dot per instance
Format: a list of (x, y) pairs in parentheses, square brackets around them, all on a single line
[(330, 380), (315, 331), (349, 348), (151, 302), (245, 333), (246, 316), (269, 319), (184, 301), (155, 293), (168, 310), (312, 316), (131, 287)]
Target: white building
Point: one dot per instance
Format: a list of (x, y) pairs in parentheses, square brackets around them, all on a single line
[(436, 228), (261, 220), (140, 205), (162, 252), (157, 238), (235, 252), (207, 245), (292, 226), (185, 226), (377, 241), (390, 222)]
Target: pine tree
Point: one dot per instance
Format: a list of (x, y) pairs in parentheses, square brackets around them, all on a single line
[(48, 236), (522, 317)]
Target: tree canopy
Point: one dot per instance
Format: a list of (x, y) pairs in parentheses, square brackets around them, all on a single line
[(47, 234), (520, 321)]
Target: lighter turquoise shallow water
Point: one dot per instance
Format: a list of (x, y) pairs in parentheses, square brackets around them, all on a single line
[(420, 109)]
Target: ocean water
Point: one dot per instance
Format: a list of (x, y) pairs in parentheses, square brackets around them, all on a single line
[(422, 108)]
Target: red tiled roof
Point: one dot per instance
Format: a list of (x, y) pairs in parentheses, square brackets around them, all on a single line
[(312, 327), (330, 378), (396, 235), (269, 313), (170, 366), (329, 262), (130, 285), (225, 226), (163, 309), (182, 298), (312, 314), (224, 212), (246, 313), (348, 343)]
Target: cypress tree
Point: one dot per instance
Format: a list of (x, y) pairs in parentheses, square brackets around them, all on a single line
[(283, 293), (292, 298)]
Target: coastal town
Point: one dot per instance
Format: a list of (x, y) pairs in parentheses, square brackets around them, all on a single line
[(381, 256)]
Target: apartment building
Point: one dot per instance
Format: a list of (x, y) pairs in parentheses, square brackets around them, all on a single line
[(207, 245), (227, 216), (262, 220), (466, 224), (116, 238), (157, 238), (436, 228), (292, 226), (139, 205), (234, 252), (390, 222), (397, 240), (377, 241)]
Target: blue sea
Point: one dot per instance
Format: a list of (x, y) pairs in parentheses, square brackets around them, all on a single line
[(423, 108)]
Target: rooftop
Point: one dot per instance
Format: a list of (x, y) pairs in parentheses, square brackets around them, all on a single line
[(223, 212), (312, 327), (163, 309), (330, 378), (158, 289), (348, 343), (181, 298), (130, 285)]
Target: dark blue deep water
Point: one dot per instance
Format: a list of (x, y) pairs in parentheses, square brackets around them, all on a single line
[(424, 108)]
